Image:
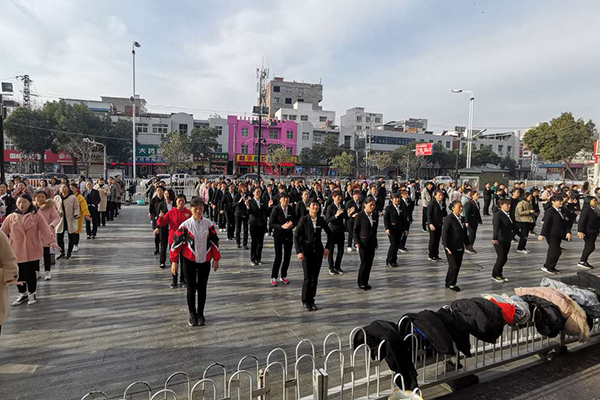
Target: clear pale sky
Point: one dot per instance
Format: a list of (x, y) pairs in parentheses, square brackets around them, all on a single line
[(526, 61)]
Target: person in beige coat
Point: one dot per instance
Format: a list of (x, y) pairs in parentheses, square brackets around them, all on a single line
[(8, 275), (68, 209), (525, 217), (102, 188)]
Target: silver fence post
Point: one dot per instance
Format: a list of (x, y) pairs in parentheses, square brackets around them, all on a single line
[(262, 383), (319, 384)]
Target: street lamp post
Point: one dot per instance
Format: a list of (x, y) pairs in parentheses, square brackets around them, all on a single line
[(470, 123), (90, 141), (133, 46)]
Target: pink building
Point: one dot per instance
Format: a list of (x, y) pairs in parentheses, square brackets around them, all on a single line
[(243, 141)]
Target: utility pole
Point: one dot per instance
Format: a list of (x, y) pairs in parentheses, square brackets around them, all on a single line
[(262, 74), (5, 88), (133, 158), (26, 89)]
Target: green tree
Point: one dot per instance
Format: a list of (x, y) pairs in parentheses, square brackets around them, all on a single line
[(204, 141), (343, 164), (510, 164), (484, 156), (561, 139), (381, 161), (31, 133), (176, 151), (321, 154), (277, 155), (119, 147)]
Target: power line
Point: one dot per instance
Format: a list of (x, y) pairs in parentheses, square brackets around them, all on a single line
[(68, 133)]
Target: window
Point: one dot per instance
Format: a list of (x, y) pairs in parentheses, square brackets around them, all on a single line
[(273, 134), (219, 148), (447, 145), (244, 132), (220, 129), (276, 89), (293, 117), (358, 119), (500, 148), (141, 128), (290, 134), (288, 100), (300, 100), (304, 118), (305, 136), (358, 128), (317, 138), (347, 141), (160, 128), (377, 120), (290, 150), (244, 149), (367, 119), (508, 149), (284, 117), (322, 119), (277, 100), (183, 128)]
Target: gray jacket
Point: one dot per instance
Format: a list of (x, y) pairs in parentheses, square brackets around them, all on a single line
[(586, 299)]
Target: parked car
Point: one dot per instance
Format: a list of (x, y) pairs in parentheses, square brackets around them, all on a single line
[(181, 179), (445, 179)]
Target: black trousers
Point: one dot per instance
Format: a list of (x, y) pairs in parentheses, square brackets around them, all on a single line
[(230, 222), (337, 240), (196, 276), (28, 276), (502, 249), (523, 233), (47, 259), (179, 271), (60, 239), (110, 210), (395, 243), (350, 230), (163, 235), (222, 220), (283, 252), (472, 234), (434, 242), (589, 247), (553, 254), (257, 233), (239, 222), (311, 265), (454, 264), (486, 205), (424, 221), (366, 263), (404, 237), (102, 217), (91, 227)]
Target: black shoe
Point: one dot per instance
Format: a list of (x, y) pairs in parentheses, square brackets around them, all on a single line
[(62, 255), (307, 306), (313, 306), (368, 287), (239, 246), (89, 237), (246, 247), (162, 266), (454, 288), (193, 321), (156, 252), (201, 320), (340, 271), (183, 284), (93, 236), (333, 271), (173, 286), (68, 257), (395, 265), (387, 264)]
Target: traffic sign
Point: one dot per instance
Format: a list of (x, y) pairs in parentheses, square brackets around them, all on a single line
[(424, 149)]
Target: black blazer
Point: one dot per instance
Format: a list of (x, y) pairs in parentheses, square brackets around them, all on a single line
[(227, 203), (240, 206), (393, 220), (278, 218), (502, 227), (436, 214), (364, 234), (352, 204), (589, 221), (258, 216), (336, 224), (555, 226), (301, 210), (307, 239), (472, 213), (407, 208), (453, 233)]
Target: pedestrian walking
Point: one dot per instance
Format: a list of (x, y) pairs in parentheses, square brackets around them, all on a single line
[(524, 220), (282, 220), (587, 229), (454, 237), (487, 198), (257, 210), (365, 239), (9, 270), (197, 241), (394, 222), (241, 216), (92, 197), (553, 230), (336, 216), (427, 194), (228, 208), (153, 211), (473, 219), (102, 189), (436, 211), (353, 208), (47, 209), (84, 214), (67, 207), (407, 205), (502, 234), (171, 220)]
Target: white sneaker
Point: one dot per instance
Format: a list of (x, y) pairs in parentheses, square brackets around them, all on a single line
[(523, 251), (349, 249), (21, 299), (38, 275), (75, 248), (48, 276), (32, 299)]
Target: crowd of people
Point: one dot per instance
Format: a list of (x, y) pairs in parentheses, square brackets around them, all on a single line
[(321, 217)]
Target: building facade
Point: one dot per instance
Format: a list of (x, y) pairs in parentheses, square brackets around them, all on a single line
[(284, 94)]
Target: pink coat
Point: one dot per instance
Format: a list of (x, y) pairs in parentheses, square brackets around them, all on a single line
[(28, 235), (48, 211)]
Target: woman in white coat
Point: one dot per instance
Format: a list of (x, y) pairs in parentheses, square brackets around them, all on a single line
[(68, 209), (8, 275)]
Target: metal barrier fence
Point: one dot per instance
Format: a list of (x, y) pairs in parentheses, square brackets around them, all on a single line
[(339, 371)]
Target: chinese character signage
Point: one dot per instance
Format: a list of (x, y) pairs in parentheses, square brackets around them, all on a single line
[(424, 149)]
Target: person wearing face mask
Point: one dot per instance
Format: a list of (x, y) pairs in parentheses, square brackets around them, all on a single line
[(197, 241), (171, 220), (365, 239), (68, 209), (29, 233), (47, 209)]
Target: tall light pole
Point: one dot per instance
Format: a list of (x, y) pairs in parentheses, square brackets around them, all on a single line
[(90, 141), (470, 123), (133, 46)]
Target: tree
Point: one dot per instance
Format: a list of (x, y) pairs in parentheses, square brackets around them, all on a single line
[(31, 133), (484, 156), (321, 154), (509, 164), (343, 164), (177, 152), (381, 161), (119, 147), (204, 141), (277, 155), (561, 139)]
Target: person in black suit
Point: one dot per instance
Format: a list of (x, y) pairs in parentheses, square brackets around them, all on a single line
[(514, 200), (311, 252), (502, 234), (241, 216), (407, 206), (353, 208), (394, 223), (228, 207), (336, 216), (487, 198), (472, 219), (365, 239), (436, 211), (282, 221), (303, 204), (553, 230), (454, 237), (257, 210), (587, 229)]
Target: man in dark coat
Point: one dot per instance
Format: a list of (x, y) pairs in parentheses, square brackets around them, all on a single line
[(407, 206), (394, 223), (335, 216), (257, 210), (365, 239), (353, 208), (472, 219), (454, 236), (435, 218), (283, 219), (553, 230), (502, 233)]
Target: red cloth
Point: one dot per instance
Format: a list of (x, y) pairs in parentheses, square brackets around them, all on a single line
[(508, 311), (173, 218)]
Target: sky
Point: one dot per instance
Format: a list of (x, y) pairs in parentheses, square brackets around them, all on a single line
[(526, 61)]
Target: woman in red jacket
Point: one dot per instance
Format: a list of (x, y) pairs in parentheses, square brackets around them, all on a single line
[(173, 218)]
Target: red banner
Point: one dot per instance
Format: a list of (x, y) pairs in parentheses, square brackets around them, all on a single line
[(424, 149), (61, 157)]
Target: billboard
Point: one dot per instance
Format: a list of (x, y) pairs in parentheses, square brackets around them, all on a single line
[(424, 149)]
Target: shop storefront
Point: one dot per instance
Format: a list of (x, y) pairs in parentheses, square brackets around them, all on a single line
[(247, 163)]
